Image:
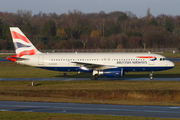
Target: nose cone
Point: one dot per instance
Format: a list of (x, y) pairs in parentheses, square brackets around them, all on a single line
[(170, 64)]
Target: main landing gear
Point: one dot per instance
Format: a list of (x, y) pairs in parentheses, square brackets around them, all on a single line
[(151, 75), (95, 75)]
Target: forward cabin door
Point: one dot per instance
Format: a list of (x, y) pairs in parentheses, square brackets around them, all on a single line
[(41, 60), (151, 62)]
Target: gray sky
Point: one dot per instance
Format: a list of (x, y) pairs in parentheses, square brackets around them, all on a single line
[(138, 7)]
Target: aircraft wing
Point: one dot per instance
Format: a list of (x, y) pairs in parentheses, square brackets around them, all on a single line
[(94, 66)]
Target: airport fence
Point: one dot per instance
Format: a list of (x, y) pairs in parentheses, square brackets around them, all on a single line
[(152, 50)]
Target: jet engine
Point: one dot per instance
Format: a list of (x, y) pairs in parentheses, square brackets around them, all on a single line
[(113, 72)]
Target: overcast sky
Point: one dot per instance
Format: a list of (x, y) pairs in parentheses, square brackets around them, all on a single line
[(138, 7)]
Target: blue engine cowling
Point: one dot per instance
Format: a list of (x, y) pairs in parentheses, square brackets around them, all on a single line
[(113, 72)]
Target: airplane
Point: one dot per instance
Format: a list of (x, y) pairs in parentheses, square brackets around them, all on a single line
[(107, 64)]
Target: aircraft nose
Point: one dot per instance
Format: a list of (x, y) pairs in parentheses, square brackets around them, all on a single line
[(171, 64)]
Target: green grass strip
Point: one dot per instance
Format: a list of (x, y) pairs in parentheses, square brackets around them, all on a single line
[(62, 116)]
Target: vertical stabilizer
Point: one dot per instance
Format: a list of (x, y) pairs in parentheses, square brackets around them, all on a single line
[(21, 43)]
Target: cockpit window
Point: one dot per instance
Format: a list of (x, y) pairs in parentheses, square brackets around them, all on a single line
[(162, 59)]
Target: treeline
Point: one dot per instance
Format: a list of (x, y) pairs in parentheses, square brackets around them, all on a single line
[(77, 30)]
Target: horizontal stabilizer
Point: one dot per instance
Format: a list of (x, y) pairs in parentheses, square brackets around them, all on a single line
[(14, 58)]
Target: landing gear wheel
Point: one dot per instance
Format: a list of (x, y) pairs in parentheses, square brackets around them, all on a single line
[(94, 77), (151, 75)]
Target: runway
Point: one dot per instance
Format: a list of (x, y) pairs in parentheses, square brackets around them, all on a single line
[(122, 110), (87, 79)]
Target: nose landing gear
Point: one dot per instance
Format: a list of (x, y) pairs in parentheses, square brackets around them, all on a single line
[(151, 75)]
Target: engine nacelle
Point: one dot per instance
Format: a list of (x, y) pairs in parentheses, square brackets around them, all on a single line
[(113, 72)]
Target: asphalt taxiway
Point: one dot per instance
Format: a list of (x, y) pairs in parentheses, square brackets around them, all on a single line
[(122, 110)]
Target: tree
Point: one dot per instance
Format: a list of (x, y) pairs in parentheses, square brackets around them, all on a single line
[(40, 45), (113, 41), (119, 47), (3, 44), (100, 25), (133, 33), (168, 25), (153, 22), (24, 13), (122, 17), (112, 27), (1, 26), (104, 43), (61, 45), (95, 33), (49, 28), (148, 14), (160, 31), (84, 40), (71, 21), (135, 42), (177, 31), (61, 32)]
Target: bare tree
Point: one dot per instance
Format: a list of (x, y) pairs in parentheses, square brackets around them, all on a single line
[(100, 26), (84, 40), (148, 14)]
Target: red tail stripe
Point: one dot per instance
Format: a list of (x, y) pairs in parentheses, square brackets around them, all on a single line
[(16, 35), (146, 57), (27, 52), (11, 58)]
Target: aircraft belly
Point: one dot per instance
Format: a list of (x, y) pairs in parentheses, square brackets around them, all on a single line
[(72, 69), (146, 68)]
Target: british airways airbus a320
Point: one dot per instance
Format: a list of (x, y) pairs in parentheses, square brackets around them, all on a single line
[(106, 64)]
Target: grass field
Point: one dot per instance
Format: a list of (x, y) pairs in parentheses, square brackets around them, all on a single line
[(61, 116), (110, 92), (5, 55)]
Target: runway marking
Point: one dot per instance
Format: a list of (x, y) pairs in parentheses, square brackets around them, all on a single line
[(174, 107), (69, 79)]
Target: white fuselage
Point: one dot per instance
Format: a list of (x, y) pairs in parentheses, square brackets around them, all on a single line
[(86, 61)]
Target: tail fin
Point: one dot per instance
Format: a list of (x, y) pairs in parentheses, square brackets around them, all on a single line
[(21, 43)]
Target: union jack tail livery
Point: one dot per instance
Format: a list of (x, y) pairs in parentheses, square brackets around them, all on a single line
[(22, 45)]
